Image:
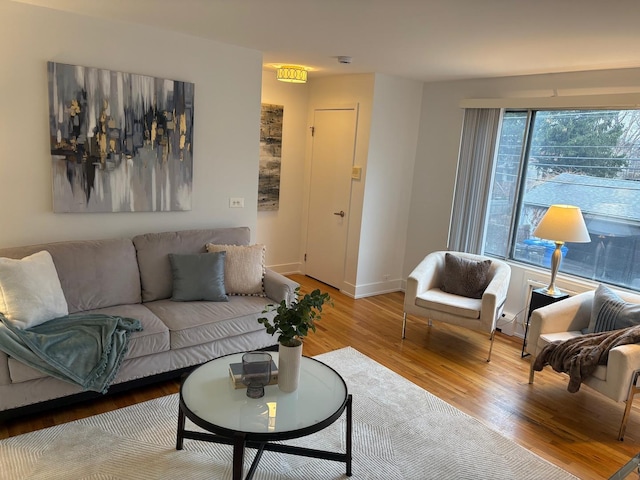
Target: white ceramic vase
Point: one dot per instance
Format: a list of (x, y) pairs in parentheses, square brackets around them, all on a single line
[(289, 367)]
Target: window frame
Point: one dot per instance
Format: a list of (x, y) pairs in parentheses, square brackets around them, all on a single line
[(509, 253)]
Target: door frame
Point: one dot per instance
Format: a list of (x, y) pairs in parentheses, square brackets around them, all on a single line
[(345, 287)]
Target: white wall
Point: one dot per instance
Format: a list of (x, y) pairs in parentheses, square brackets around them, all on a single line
[(435, 168), (280, 230), (226, 124), (387, 132), (392, 151), (339, 91)]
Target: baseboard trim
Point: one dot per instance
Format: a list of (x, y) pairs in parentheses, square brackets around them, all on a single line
[(378, 288), (287, 268)]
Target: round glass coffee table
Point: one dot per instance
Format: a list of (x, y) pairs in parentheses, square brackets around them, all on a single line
[(209, 399)]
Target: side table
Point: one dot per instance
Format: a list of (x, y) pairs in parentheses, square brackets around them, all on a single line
[(538, 299)]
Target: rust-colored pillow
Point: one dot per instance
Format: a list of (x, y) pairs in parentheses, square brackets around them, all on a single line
[(464, 277)]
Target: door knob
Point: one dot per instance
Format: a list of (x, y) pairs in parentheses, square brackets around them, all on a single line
[(340, 213)]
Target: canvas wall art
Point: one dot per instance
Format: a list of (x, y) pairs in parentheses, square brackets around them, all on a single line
[(120, 142), (270, 156)]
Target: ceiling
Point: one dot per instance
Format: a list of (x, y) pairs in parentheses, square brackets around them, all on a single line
[(429, 40)]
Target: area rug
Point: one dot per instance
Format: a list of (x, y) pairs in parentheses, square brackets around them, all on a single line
[(401, 432)]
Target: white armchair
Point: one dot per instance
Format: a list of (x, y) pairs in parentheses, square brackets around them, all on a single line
[(566, 319), (425, 298)]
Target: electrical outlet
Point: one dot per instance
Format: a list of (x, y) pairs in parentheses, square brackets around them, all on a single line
[(385, 277), (236, 202)]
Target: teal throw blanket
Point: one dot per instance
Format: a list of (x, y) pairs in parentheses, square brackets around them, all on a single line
[(85, 349)]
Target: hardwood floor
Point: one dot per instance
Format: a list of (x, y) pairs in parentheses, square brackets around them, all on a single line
[(574, 431)]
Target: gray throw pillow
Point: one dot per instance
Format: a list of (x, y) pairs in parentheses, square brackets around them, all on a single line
[(198, 277), (464, 277), (610, 312)]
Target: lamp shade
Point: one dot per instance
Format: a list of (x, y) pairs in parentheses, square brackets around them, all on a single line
[(563, 223), (291, 74)]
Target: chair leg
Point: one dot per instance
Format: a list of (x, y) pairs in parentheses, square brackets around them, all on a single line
[(492, 338), (633, 389), (531, 371), (404, 324)]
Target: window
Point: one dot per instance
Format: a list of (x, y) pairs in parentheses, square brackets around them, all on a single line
[(588, 158)]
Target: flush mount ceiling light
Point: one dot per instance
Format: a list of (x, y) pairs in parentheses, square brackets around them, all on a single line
[(291, 74)]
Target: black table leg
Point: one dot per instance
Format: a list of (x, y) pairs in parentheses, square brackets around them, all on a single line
[(256, 460), (238, 455), (349, 434), (180, 433)]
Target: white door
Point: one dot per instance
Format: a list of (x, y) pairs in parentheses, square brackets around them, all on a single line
[(334, 135)]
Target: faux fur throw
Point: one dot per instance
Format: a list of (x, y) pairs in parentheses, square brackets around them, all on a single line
[(580, 356)]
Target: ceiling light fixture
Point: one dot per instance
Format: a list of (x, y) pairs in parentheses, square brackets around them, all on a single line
[(291, 74)]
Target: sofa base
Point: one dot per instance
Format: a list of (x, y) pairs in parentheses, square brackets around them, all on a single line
[(62, 402), (47, 405)]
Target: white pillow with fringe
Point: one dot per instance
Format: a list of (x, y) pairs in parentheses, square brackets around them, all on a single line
[(243, 268)]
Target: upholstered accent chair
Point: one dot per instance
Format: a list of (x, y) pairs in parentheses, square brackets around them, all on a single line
[(437, 292), (569, 318)]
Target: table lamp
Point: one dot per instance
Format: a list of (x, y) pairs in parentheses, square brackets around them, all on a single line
[(561, 223)]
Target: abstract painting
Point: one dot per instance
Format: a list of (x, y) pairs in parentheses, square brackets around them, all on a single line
[(270, 156), (120, 142)]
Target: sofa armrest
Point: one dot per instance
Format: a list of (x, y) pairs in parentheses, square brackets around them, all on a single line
[(5, 378), (568, 315), (424, 276), (622, 362), (495, 295), (278, 287)]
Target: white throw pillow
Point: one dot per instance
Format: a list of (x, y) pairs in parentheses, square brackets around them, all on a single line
[(243, 268), (30, 290)]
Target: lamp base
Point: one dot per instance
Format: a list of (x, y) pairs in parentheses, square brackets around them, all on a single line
[(556, 257), (552, 292)]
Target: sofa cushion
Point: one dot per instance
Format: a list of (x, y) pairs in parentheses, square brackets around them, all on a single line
[(198, 276), (93, 273), (468, 278), (547, 338), (194, 323), (243, 268), (30, 291), (154, 338), (610, 312), (153, 251), (436, 299)]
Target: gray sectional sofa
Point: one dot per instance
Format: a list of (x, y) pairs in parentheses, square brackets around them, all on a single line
[(133, 278)]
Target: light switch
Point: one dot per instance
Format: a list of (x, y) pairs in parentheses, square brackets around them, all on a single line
[(236, 202), (356, 172)]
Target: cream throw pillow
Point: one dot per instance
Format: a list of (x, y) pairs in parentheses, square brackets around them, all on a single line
[(243, 268), (30, 291)]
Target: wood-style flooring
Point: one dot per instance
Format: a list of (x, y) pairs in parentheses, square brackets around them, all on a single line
[(574, 431)]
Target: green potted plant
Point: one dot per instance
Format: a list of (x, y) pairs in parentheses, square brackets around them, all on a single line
[(292, 322)]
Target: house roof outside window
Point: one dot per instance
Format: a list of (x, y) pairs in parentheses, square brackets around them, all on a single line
[(610, 205)]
